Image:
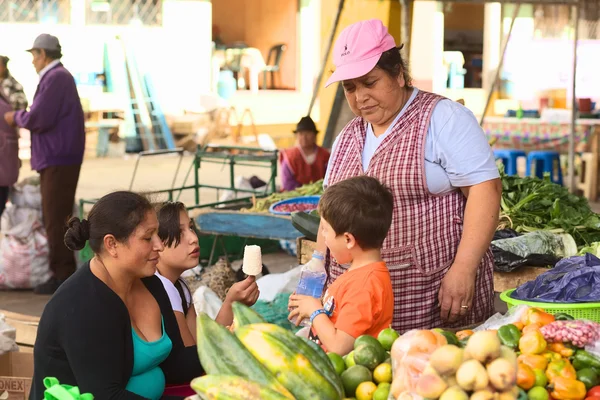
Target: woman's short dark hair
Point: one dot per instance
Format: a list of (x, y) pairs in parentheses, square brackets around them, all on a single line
[(391, 61), (168, 222), (116, 214)]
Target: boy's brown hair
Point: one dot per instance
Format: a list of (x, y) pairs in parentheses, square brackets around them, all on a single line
[(361, 206)]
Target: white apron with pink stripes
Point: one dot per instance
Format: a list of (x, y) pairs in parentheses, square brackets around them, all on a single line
[(426, 229)]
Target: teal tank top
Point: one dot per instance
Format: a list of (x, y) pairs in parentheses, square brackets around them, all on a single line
[(147, 379)]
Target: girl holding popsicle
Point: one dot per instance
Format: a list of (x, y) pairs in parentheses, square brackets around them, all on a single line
[(181, 253)]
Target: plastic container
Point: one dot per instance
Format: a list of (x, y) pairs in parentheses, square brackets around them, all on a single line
[(313, 200), (312, 280), (589, 311)]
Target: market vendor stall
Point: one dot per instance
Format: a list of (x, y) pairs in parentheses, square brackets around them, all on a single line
[(536, 134), (526, 354)]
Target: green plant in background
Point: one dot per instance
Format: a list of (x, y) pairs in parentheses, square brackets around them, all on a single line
[(530, 204)]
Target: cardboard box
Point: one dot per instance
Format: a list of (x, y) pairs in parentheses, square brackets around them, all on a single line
[(16, 371)]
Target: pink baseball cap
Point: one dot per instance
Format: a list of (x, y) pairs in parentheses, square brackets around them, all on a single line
[(358, 48)]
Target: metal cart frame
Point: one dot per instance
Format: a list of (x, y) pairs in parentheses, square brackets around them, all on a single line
[(227, 155)]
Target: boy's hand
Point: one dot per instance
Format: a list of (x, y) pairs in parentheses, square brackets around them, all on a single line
[(302, 307), (246, 292)]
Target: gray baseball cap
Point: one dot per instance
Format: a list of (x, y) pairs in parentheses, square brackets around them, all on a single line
[(46, 42)]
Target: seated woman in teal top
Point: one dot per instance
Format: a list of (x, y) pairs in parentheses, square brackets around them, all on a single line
[(110, 328), (147, 379)]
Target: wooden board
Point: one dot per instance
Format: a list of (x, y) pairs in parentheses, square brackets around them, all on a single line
[(304, 249), (509, 280), (502, 280)]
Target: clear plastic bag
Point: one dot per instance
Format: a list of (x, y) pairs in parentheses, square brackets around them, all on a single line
[(594, 348), (540, 248), (498, 320), (410, 355)]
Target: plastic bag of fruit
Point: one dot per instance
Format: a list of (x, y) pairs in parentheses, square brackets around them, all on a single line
[(410, 355), (578, 332), (483, 369)]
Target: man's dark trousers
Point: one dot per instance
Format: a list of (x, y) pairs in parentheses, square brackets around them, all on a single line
[(58, 185)]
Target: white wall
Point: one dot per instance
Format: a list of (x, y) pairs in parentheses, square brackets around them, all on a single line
[(177, 55)]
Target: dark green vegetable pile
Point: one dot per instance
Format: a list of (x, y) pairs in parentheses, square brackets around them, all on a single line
[(530, 204)]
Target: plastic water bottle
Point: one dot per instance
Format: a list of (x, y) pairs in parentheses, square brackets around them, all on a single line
[(312, 280)]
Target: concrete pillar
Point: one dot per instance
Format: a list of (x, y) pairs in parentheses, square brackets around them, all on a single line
[(492, 42), (77, 12), (309, 44), (187, 27), (427, 46)]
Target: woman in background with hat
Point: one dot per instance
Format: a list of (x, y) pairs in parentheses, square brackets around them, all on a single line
[(433, 155), (306, 162)]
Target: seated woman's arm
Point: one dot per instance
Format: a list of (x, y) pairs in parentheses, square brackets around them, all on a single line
[(191, 321), (94, 344)]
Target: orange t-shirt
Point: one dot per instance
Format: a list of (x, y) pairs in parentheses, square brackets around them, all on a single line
[(360, 301)]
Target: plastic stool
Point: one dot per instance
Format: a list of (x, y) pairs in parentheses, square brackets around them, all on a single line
[(509, 159), (544, 161)]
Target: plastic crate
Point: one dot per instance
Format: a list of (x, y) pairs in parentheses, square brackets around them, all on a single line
[(588, 311)]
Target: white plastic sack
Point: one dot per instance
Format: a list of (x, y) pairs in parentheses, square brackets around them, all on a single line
[(205, 300), (240, 183), (27, 193), (8, 336), (24, 260)]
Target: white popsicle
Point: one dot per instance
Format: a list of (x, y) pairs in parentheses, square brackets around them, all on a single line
[(252, 260)]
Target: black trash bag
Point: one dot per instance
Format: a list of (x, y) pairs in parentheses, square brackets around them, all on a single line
[(505, 261), (505, 234), (534, 249), (572, 280)]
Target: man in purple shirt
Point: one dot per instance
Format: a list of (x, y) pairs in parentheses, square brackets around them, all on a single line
[(57, 127)]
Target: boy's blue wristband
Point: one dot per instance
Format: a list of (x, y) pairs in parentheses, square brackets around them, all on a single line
[(318, 312), (318, 255)]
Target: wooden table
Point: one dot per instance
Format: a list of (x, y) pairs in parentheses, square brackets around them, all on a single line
[(502, 280)]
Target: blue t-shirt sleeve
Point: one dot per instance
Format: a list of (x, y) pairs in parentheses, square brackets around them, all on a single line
[(460, 146)]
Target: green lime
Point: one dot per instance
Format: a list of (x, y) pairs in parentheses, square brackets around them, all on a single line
[(368, 356), (349, 359), (367, 339), (538, 393), (381, 354), (540, 378), (338, 362), (387, 337), (354, 376), (382, 392)]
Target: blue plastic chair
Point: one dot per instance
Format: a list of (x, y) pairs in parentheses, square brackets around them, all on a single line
[(509, 158), (545, 161)]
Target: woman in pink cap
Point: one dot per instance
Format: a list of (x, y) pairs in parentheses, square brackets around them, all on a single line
[(436, 159)]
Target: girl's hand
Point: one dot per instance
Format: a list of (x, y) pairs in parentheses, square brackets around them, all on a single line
[(245, 292)]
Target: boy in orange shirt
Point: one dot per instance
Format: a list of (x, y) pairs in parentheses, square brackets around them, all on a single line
[(356, 215)]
